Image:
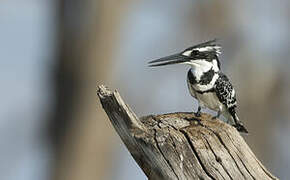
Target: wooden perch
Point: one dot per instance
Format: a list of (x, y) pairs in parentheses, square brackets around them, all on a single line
[(175, 146)]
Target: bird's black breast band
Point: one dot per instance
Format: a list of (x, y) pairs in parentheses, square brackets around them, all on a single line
[(206, 91), (206, 78)]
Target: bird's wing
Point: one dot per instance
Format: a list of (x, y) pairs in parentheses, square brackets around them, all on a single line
[(225, 91)]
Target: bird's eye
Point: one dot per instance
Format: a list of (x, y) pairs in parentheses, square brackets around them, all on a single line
[(194, 52)]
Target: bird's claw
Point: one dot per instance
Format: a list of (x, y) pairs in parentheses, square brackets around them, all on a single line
[(197, 114), (193, 119)]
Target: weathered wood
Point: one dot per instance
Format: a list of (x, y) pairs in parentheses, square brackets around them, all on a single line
[(182, 146)]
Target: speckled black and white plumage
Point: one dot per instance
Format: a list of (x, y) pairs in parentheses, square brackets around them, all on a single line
[(227, 96), (225, 91)]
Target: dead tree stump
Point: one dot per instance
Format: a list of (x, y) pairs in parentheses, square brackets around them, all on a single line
[(182, 146)]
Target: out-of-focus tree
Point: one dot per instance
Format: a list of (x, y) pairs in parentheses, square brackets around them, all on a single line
[(80, 132)]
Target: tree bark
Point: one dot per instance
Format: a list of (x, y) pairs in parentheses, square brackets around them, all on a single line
[(182, 146)]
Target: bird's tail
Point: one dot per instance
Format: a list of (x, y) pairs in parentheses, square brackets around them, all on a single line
[(237, 123)]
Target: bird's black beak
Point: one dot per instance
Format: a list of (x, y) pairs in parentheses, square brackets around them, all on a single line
[(172, 59)]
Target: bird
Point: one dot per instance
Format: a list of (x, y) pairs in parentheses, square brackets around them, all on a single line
[(206, 82)]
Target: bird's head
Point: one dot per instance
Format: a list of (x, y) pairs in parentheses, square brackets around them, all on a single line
[(204, 55)]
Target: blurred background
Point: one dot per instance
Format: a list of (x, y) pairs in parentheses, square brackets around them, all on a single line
[(54, 53)]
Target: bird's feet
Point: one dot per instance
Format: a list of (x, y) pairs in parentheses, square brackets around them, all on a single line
[(193, 119), (198, 113), (217, 116), (241, 128)]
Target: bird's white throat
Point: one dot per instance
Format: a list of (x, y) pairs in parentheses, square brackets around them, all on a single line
[(199, 67)]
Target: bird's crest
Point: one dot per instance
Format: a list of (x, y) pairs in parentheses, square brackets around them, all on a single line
[(209, 47)]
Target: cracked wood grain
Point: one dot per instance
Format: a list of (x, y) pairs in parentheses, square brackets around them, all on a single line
[(180, 146)]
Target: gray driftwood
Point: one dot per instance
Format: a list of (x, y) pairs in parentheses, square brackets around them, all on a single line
[(175, 146)]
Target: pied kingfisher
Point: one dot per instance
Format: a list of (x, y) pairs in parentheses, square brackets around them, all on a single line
[(205, 80)]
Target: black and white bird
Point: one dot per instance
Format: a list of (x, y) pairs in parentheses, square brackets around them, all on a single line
[(205, 80)]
